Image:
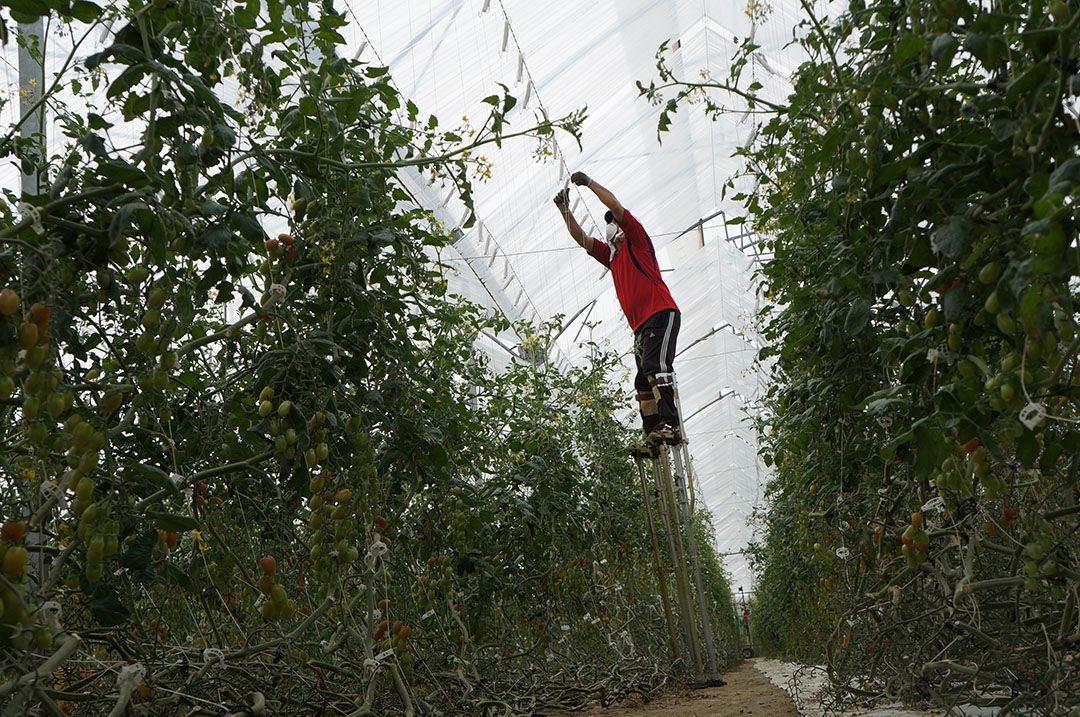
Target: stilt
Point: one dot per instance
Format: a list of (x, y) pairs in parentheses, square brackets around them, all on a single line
[(691, 540), (688, 630), (681, 580), (661, 581), (681, 455)]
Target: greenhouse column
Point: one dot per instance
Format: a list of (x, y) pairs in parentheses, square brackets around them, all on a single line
[(31, 79)]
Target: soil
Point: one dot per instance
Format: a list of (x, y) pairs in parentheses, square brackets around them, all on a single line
[(747, 692)]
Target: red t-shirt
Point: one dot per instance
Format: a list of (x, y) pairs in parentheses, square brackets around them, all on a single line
[(638, 284)]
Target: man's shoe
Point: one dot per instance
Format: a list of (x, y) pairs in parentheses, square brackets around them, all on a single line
[(641, 451), (665, 434)]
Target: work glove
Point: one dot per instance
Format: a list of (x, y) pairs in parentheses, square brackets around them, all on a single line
[(581, 179), (562, 200)]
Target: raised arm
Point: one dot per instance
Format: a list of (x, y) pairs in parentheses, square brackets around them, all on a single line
[(562, 201), (602, 193)]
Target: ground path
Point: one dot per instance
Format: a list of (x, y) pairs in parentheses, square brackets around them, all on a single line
[(757, 688), (747, 692)]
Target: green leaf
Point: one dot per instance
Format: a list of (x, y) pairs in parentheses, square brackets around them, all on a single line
[(954, 302), (157, 477), (858, 317), (175, 576), (987, 49), (877, 407), (308, 106), (28, 10), (120, 171), (128, 79), (929, 450), (121, 220), (140, 551), (889, 449), (910, 46), (248, 227), (1027, 449), (1027, 82), (1030, 304), (276, 11), (96, 121), (106, 607), (172, 522), (953, 239), (943, 49), (247, 17), (85, 11), (212, 208), (1065, 177)]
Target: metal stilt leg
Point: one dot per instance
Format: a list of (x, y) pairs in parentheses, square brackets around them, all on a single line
[(688, 631), (681, 580), (691, 539), (682, 477), (661, 581)]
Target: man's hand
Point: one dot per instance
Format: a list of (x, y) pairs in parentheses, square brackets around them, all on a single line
[(581, 179), (562, 200)]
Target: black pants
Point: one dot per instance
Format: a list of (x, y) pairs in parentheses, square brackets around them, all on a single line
[(654, 352)]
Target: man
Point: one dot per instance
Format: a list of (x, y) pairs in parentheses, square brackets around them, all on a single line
[(645, 300)]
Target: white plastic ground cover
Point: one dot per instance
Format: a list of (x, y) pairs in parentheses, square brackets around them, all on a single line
[(805, 684)]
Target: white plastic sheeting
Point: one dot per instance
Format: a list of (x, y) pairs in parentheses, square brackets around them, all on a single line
[(446, 55)]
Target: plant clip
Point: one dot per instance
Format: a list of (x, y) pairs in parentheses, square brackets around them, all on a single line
[(934, 505), (213, 654), (34, 215), (134, 674), (49, 490), (1032, 415), (375, 551)]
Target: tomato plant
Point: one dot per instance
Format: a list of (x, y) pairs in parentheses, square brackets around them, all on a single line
[(918, 190), (247, 443)]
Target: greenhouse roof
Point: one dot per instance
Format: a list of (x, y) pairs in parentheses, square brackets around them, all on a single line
[(446, 56), (558, 58)]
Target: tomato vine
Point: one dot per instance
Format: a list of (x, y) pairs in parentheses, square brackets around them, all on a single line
[(918, 189), (251, 458)]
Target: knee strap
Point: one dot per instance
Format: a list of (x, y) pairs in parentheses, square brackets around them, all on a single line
[(662, 379), (647, 404)]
